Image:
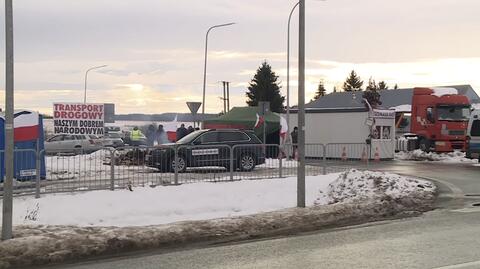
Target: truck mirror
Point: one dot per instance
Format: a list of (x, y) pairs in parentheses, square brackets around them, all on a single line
[(430, 117)]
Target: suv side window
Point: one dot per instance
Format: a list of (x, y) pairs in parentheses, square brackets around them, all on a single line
[(210, 137), (56, 138), (233, 137), (69, 137), (475, 128)]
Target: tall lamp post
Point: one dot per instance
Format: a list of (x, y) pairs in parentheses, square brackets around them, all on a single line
[(7, 210), (301, 107), (86, 76), (288, 69), (205, 63)]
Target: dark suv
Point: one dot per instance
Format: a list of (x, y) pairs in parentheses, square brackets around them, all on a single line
[(208, 148)]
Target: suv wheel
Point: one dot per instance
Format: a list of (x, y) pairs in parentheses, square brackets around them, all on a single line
[(182, 164), (246, 162)]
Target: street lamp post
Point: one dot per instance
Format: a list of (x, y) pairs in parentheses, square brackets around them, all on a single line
[(7, 210), (301, 107), (205, 63), (288, 69), (86, 76)]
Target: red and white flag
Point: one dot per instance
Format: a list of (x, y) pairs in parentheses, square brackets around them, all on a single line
[(259, 122), (25, 126), (283, 128)]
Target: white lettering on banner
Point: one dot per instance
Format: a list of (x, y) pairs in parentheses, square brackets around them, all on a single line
[(198, 152), (384, 114), (78, 118)]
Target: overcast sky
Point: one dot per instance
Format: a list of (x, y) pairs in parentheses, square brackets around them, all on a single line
[(154, 48)]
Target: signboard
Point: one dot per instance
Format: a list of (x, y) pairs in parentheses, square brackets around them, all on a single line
[(109, 116), (78, 118), (194, 106), (383, 114)]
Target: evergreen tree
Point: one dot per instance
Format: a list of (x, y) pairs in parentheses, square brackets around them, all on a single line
[(395, 87), (371, 94), (321, 91), (264, 87), (382, 85), (353, 82), (334, 88)]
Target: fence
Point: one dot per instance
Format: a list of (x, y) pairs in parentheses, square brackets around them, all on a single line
[(110, 168)]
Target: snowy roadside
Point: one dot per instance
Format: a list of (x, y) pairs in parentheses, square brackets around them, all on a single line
[(419, 155), (207, 212)]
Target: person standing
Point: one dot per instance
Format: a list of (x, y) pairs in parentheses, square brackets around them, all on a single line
[(181, 132), (294, 135), (136, 136), (150, 135), (162, 137), (190, 129)]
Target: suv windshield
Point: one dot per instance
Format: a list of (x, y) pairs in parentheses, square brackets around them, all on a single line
[(190, 137), (453, 113)]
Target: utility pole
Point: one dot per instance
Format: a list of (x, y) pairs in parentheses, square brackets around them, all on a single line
[(224, 97), (9, 107), (301, 107), (228, 96)]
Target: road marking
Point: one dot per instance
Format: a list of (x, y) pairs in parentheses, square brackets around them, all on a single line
[(460, 265)]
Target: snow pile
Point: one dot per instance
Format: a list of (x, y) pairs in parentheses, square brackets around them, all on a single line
[(275, 163), (355, 186), (444, 91), (419, 155), (166, 204), (74, 166)]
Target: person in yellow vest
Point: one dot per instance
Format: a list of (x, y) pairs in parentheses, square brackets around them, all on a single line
[(136, 136)]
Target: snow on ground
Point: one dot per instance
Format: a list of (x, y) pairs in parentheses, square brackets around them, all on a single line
[(354, 186), (419, 155), (148, 206), (200, 201), (275, 163)]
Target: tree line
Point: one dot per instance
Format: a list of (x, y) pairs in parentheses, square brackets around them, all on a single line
[(265, 87)]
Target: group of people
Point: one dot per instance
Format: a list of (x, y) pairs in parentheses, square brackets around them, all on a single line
[(159, 135), (182, 131)]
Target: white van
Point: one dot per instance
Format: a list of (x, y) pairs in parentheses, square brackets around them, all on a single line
[(473, 135)]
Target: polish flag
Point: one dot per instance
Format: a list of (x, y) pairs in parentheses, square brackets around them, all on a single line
[(283, 128), (25, 126), (259, 122), (171, 129)]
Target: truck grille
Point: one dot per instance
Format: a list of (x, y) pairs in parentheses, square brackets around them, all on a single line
[(456, 132)]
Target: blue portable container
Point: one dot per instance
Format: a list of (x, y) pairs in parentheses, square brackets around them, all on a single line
[(28, 130)]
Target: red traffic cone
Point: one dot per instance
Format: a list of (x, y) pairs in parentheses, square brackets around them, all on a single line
[(364, 155), (376, 157), (344, 154)]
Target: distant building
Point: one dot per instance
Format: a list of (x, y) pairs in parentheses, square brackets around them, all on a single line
[(345, 101)]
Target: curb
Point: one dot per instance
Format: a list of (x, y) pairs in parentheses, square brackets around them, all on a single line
[(41, 245)]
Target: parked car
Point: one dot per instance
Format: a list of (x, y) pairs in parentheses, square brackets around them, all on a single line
[(75, 144), (206, 148), (113, 139), (473, 136)]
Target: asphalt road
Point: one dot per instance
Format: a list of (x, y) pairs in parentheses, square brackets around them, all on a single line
[(448, 237)]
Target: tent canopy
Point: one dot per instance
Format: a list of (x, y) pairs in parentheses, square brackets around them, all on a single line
[(245, 118)]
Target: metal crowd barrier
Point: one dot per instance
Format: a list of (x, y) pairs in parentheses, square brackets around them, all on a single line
[(127, 167)]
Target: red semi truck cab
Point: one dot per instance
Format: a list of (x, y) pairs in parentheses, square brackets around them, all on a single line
[(439, 119)]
